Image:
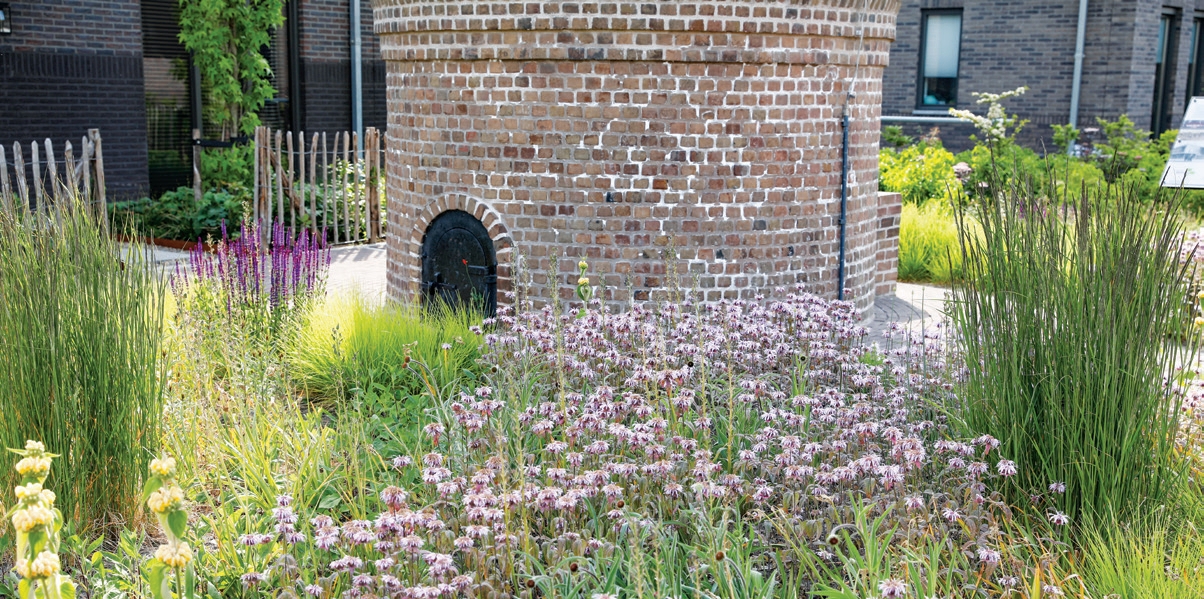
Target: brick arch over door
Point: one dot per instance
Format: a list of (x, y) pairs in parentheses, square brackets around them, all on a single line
[(405, 263)]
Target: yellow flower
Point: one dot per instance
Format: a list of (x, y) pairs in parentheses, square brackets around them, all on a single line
[(1200, 321), (583, 281), (582, 265), (28, 491), (175, 556), (36, 446), (47, 496), (32, 465), (45, 565), (27, 519), (165, 499), (163, 467)]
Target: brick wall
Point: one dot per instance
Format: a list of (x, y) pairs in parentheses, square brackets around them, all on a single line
[(1009, 43), (70, 65), (326, 66), (614, 130), (890, 213)]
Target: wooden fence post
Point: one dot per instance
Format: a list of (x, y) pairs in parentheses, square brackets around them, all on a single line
[(37, 177), (99, 163), (6, 191), (313, 191), (255, 150), (348, 171), (86, 168), (19, 171), (279, 180), (69, 165)]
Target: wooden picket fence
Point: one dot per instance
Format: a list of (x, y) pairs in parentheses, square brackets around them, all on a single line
[(82, 178), (325, 187)]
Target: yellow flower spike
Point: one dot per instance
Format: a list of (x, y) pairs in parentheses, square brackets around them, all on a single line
[(29, 518), (165, 466), (165, 499), (37, 466), (175, 556), (583, 281), (45, 565), (28, 491)]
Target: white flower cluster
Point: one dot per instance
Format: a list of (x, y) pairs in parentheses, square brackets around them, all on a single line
[(995, 124)]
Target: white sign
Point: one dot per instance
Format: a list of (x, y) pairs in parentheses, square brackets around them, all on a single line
[(1186, 164)]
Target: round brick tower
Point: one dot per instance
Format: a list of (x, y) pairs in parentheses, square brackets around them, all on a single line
[(617, 130)]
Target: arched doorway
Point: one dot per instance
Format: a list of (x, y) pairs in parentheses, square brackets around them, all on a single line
[(459, 264)]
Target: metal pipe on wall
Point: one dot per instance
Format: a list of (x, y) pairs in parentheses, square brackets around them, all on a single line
[(357, 76), (1076, 85), (844, 195)]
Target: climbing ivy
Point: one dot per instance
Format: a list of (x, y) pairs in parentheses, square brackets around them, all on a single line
[(226, 38)]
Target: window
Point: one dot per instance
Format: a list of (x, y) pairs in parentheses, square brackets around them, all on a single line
[(940, 47), (1164, 69), (1195, 78)]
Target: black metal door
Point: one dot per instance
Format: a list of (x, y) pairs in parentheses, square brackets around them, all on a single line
[(459, 266)]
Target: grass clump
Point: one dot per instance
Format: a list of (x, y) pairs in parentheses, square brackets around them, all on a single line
[(1148, 561), (1063, 316), (353, 345), (928, 243), (80, 328)]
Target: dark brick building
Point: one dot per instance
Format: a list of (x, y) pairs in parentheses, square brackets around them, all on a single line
[(1140, 59), (69, 65)]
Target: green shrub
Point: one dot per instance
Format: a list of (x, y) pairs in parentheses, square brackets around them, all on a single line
[(80, 328), (928, 244), (175, 215), (1063, 315), (351, 344), (920, 173), (1147, 561)]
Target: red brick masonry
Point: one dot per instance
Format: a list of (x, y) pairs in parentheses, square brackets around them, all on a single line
[(615, 130)]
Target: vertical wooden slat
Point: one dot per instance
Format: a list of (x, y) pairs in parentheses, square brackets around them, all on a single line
[(6, 191), (99, 162), (69, 166), (300, 180), (37, 177), (19, 171), (370, 184), (52, 172), (258, 177), (292, 203), (265, 164), (86, 168), (279, 178), (327, 199), (313, 182), (347, 169)]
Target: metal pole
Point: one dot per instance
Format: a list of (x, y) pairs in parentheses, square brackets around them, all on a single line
[(357, 76), (1077, 82), (844, 195)]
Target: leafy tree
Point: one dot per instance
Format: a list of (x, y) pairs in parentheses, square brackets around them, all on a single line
[(226, 38)]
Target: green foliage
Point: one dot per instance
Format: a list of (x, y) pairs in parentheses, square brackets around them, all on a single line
[(230, 171), (387, 360), (893, 136), (1063, 314), (175, 215), (80, 328), (928, 244), (920, 173), (226, 38), (1065, 136), (1149, 560)]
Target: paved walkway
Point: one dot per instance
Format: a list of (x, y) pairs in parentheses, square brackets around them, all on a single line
[(361, 269)]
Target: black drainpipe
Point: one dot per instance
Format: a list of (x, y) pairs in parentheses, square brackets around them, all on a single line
[(844, 193)]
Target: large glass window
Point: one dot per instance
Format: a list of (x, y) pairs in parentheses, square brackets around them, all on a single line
[(940, 49), (1164, 69), (1194, 83)]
